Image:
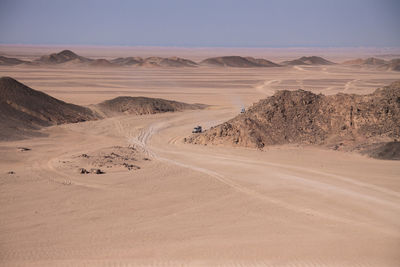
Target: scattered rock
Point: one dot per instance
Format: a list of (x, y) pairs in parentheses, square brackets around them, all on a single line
[(112, 159), (11, 172), (131, 166), (83, 171), (23, 149), (93, 170), (96, 171)]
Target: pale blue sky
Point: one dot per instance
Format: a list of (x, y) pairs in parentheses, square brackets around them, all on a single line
[(235, 23)]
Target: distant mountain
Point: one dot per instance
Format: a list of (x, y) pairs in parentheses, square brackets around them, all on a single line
[(127, 61), (23, 110), (262, 62), (154, 62), (101, 63), (238, 62), (313, 60), (394, 64), (368, 61), (168, 62), (63, 57), (10, 61)]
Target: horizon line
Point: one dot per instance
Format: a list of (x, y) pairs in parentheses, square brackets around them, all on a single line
[(196, 47)]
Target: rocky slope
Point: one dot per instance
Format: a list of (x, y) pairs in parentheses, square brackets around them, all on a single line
[(143, 105), (127, 61), (313, 60), (63, 57), (23, 110), (372, 61), (167, 62), (302, 117), (378, 63), (10, 61), (238, 62), (394, 64)]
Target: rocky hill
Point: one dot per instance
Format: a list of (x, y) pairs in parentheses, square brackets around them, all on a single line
[(238, 62), (63, 57), (378, 63), (10, 61), (167, 62), (313, 60), (368, 61), (127, 61), (394, 64), (101, 63), (23, 110), (143, 105), (302, 117)]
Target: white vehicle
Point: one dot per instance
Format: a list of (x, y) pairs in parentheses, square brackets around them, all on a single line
[(243, 110), (197, 129)]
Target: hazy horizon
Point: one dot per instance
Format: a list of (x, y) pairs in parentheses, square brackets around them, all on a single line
[(232, 24)]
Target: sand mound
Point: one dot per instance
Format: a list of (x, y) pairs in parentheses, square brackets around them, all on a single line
[(9, 61), (313, 60), (238, 62), (23, 109), (143, 105), (63, 57), (303, 117)]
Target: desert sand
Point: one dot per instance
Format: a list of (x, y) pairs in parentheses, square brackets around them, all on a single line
[(192, 205)]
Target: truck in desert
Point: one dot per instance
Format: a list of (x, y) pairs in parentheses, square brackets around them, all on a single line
[(197, 129)]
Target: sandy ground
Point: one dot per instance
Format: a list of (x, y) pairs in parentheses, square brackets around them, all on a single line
[(192, 205)]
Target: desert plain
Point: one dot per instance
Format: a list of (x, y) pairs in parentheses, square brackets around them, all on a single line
[(192, 205)]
